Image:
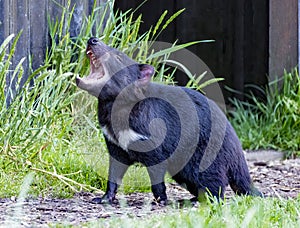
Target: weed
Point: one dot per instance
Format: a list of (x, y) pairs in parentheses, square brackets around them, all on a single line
[(240, 212), (273, 123)]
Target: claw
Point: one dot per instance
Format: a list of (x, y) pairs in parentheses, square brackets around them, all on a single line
[(104, 200), (97, 200)]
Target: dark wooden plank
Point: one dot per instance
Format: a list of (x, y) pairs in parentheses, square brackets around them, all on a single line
[(78, 16), (54, 9), (20, 22), (256, 41), (211, 19), (238, 59), (38, 32), (2, 20), (283, 36), (151, 11), (17, 20)]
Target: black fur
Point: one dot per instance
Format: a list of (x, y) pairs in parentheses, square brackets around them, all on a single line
[(129, 93)]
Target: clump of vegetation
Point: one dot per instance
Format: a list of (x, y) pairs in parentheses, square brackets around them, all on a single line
[(50, 127), (240, 212), (275, 122)]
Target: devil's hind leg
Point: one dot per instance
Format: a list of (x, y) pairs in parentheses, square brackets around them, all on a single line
[(240, 180)]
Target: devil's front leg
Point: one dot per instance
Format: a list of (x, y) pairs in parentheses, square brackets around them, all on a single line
[(157, 174), (118, 165)]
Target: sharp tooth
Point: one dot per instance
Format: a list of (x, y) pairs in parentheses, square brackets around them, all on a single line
[(89, 52)]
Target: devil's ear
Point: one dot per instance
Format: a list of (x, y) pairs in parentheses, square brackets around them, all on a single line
[(146, 72)]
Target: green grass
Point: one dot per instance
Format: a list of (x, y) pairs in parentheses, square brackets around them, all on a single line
[(273, 123), (238, 212), (50, 128)]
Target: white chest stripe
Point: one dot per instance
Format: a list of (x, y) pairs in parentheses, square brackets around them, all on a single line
[(125, 137), (128, 136), (108, 135)]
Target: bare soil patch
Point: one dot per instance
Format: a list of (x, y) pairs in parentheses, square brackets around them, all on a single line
[(275, 178)]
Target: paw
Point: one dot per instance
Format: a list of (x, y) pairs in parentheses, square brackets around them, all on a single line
[(104, 200), (193, 202), (97, 200), (159, 203)]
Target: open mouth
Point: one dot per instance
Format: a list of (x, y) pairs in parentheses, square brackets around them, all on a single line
[(96, 66)]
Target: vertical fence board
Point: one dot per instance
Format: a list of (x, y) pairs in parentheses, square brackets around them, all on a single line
[(77, 16), (38, 32), (283, 36), (256, 41), (2, 20), (238, 63), (20, 12)]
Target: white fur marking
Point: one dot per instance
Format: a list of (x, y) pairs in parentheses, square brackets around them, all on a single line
[(128, 136), (125, 137), (108, 135)]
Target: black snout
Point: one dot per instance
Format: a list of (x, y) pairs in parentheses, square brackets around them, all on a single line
[(93, 41)]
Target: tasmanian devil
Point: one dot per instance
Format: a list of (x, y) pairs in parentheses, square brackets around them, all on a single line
[(166, 128)]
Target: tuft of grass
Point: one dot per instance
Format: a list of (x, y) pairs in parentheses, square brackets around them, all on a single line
[(35, 127), (240, 212), (272, 123)]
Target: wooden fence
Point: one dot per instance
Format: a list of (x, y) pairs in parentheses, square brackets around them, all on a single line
[(253, 38), (31, 17)]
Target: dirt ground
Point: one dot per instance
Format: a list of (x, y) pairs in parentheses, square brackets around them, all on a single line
[(275, 178)]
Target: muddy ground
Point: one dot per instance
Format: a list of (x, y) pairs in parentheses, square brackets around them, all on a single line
[(275, 178)]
